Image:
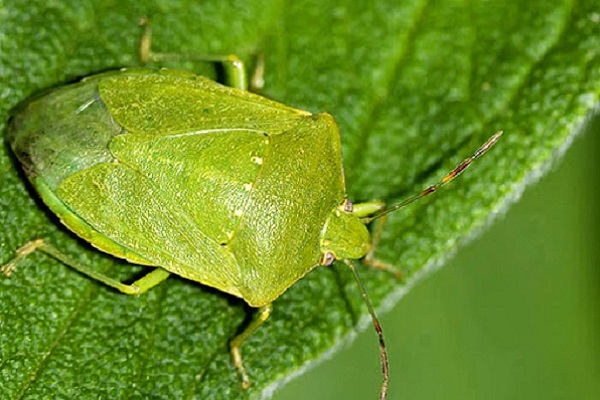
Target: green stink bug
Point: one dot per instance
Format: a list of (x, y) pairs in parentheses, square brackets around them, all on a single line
[(215, 184)]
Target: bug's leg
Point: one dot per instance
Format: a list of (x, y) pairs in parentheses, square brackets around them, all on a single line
[(370, 259), (366, 209), (236, 342), (234, 68), (138, 287)]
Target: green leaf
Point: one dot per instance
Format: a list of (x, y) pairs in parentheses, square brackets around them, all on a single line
[(415, 87)]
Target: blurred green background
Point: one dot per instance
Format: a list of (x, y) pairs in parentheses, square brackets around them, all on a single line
[(515, 315)]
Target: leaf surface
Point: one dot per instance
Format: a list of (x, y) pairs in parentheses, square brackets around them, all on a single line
[(415, 87)]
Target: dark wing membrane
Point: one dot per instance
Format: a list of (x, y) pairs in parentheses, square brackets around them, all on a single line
[(63, 132)]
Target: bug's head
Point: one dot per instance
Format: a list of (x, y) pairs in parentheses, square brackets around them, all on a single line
[(344, 235)]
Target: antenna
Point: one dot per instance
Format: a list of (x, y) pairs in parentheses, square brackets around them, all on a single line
[(378, 330), (451, 175)]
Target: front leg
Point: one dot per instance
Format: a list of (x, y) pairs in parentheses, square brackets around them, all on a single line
[(365, 210), (236, 343)]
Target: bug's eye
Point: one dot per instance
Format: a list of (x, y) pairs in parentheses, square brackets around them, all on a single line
[(348, 206), (327, 258)]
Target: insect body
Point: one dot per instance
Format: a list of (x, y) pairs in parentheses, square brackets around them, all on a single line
[(168, 169), (174, 170)]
